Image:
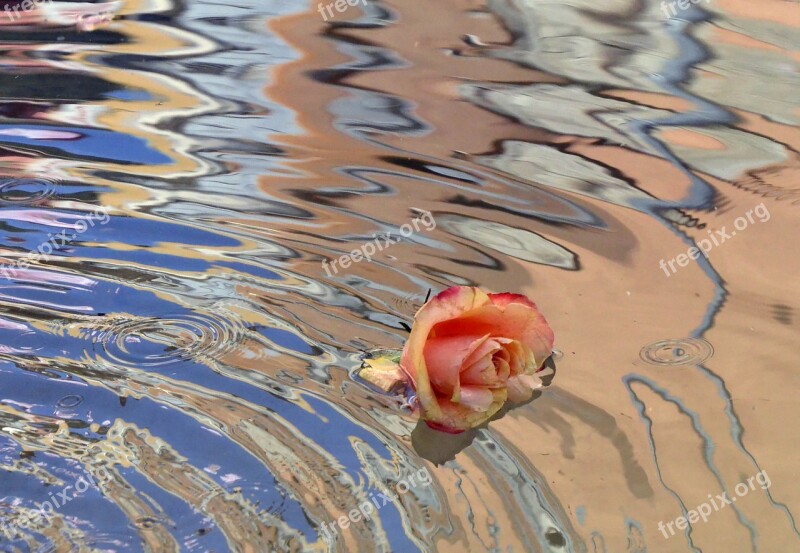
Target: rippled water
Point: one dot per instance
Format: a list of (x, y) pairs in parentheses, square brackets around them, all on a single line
[(183, 361)]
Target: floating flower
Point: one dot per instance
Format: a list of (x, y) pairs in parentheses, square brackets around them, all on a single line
[(468, 353)]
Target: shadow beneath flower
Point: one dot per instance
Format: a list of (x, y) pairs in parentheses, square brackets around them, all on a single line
[(439, 447)]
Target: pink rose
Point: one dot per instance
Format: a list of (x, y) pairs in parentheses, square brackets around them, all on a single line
[(469, 352)]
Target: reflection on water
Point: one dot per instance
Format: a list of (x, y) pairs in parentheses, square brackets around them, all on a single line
[(193, 360)]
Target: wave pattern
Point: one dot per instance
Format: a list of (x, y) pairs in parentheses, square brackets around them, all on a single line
[(191, 356)]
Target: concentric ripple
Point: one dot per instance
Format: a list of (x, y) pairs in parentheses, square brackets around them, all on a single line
[(678, 352), (154, 342), (27, 190), (70, 401)]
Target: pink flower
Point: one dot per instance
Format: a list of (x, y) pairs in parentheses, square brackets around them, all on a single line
[(469, 352)]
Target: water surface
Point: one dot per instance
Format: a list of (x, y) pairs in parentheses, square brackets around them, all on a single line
[(183, 350)]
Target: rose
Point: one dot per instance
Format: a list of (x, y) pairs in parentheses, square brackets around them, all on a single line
[(469, 352)]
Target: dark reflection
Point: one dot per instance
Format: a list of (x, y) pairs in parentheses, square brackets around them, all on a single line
[(440, 447)]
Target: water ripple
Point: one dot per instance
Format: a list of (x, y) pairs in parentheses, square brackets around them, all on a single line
[(154, 342), (27, 190), (677, 353)]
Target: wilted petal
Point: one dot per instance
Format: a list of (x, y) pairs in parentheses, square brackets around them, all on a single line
[(383, 370)]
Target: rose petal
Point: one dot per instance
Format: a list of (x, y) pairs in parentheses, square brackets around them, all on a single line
[(516, 321), (476, 397), (520, 388), (444, 358), (473, 373), (448, 304), (503, 370), (505, 298), (520, 359), (488, 372), (456, 416), (486, 349)]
